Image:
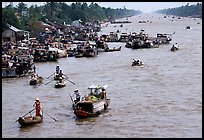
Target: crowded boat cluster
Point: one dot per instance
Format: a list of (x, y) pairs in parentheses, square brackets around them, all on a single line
[(20, 52), (19, 56)]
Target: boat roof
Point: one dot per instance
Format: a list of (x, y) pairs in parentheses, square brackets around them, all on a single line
[(98, 86)]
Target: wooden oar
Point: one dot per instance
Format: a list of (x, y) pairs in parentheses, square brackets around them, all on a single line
[(65, 75), (49, 116), (50, 75), (49, 81), (70, 81), (71, 98), (26, 113)]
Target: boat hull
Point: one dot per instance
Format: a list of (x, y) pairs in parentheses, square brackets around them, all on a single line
[(60, 85), (94, 108), (29, 120)]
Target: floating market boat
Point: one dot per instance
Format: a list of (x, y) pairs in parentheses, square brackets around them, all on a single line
[(92, 105)]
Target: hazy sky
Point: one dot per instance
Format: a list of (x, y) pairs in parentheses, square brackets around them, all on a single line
[(145, 7)]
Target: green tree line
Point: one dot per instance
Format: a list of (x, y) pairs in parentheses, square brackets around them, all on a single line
[(21, 15), (184, 11)]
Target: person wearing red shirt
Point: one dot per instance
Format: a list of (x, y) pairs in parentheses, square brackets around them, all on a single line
[(37, 106)]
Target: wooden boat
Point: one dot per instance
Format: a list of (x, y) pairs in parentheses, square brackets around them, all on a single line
[(91, 105), (124, 37), (138, 44), (174, 49), (137, 64), (9, 72), (36, 80), (90, 51), (113, 49), (128, 45), (29, 120), (79, 52), (57, 77), (40, 55), (52, 54), (60, 84)]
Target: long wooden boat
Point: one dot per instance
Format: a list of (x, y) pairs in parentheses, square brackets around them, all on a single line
[(113, 49), (144, 45), (91, 105), (29, 120)]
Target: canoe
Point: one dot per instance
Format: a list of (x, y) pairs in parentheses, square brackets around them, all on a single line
[(29, 120)]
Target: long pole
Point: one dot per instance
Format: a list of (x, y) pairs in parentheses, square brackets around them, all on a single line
[(49, 116), (71, 98), (50, 75), (26, 113), (49, 82), (69, 80)]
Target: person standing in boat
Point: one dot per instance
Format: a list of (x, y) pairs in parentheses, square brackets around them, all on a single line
[(176, 46), (57, 69), (34, 69), (37, 106), (97, 92), (102, 93), (77, 94), (60, 73)]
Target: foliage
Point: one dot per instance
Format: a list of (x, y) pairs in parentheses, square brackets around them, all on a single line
[(8, 16), (61, 12), (184, 11)]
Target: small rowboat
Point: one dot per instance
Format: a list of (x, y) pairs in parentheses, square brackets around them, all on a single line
[(174, 49), (60, 84), (137, 64), (58, 77), (35, 81), (29, 120)]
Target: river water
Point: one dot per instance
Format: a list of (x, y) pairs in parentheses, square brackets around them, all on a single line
[(163, 98)]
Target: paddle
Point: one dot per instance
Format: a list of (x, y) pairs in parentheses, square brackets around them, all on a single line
[(49, 81), (26, 113), (71, 98), (50, 75), (65, 75), (49, 116), (69, 81)]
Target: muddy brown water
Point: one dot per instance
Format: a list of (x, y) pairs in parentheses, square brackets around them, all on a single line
[(161, 99)]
